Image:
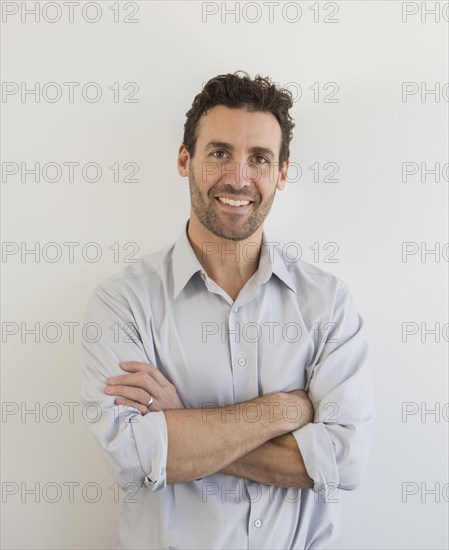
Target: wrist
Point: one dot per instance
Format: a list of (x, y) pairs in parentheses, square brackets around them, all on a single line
[(300, 405), (289, 410), (275, 418)]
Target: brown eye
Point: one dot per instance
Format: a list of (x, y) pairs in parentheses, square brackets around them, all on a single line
[(218, 152), (263, 158)]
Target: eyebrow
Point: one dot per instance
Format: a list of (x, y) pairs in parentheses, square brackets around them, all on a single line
[(254, 150)]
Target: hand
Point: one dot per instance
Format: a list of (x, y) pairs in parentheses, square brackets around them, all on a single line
[(142, 382)]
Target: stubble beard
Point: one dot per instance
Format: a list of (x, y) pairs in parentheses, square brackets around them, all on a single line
[(206, 212)]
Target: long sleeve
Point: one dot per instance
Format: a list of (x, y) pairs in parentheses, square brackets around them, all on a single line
[(134, 446), (335, 447)]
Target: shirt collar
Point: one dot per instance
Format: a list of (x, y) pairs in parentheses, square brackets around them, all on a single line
[(186, 264)]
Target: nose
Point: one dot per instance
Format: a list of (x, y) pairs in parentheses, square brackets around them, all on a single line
[(239, 173)]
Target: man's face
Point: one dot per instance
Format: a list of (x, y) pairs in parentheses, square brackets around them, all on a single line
[(237, 158)]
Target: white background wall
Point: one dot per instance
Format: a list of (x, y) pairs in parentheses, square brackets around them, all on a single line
[(370, 50)]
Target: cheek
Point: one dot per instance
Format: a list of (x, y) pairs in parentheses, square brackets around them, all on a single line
[(208, 173)]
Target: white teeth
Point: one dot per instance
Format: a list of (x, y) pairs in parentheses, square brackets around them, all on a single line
[(233, 203)]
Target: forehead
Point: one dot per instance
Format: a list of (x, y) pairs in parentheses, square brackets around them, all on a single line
[(239, 125)]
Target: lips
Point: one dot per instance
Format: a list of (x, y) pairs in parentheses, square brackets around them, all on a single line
[(234, 198), (233, 202), (231, 208)]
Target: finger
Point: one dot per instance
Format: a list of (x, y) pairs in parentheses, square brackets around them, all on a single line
[(152, 370), (140, 380), (126, 380), (141, 408), (129, 392)]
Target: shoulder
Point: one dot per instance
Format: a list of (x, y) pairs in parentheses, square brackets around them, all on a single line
[(149, 272), (314, 282), (324, 297)]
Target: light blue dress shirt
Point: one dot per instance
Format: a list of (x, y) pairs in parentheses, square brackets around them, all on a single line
[(292, 326)]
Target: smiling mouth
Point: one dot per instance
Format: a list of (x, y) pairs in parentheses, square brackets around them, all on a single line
[(237, 204)]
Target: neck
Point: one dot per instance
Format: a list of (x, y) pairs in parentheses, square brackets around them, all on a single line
[(227, 262)]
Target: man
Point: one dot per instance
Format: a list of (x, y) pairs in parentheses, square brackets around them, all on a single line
[(235, 401)]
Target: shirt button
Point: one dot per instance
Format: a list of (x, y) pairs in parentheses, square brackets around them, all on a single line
[(235, 309), (242, 362), (257, 523)]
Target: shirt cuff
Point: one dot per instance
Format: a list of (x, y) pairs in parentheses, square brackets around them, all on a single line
[(318, 455), (151, 436)]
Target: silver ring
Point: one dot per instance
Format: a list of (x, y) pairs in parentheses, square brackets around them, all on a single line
[(150, 402)]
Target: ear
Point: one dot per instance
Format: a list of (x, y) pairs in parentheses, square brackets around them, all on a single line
[(283, 175), (183, 161)]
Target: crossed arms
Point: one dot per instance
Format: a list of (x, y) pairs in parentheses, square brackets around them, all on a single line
[(229, 439), (175, 445)]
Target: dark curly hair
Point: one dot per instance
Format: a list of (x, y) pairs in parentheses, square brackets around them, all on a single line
[(236, 91)]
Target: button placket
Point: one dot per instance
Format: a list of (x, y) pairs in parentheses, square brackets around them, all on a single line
[(242, 356)]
